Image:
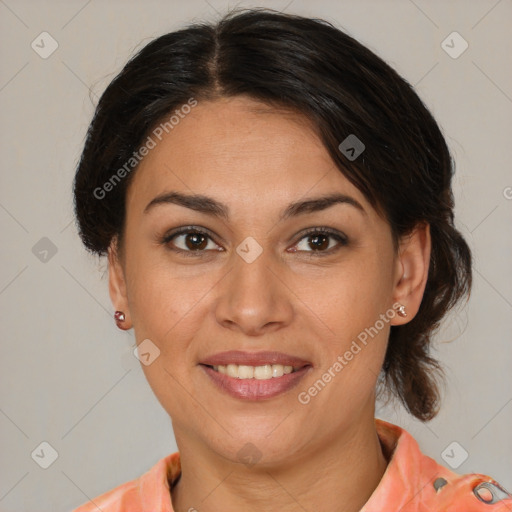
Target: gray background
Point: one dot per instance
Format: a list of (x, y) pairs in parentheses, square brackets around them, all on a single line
[(67, 374)]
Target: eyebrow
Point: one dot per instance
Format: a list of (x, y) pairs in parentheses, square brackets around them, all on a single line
[(209, 206)]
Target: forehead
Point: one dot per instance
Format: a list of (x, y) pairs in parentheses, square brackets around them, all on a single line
[(238, 147)]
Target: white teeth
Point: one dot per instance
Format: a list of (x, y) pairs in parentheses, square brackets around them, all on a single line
[(245, 372), (265, 372), (232, 370), (277, 370)]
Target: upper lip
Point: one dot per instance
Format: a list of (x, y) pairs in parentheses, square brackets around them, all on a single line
[(254, 359)]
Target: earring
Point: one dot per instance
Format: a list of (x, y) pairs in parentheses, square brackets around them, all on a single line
[(401, 310), (119, 317)]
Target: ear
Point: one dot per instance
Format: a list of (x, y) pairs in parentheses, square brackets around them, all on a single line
[(412, 264), (117, 283)]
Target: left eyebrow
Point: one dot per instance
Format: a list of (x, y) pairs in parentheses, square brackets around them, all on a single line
[(210, 206), (316, 204)]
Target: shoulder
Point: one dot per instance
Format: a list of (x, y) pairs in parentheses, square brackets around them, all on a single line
[(119, 499), (150, 491), (415, 482), (472, 492)]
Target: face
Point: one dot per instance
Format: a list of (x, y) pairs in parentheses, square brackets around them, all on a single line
[(257, 281)]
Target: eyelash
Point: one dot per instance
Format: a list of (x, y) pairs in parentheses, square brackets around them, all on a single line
[(341, 238)]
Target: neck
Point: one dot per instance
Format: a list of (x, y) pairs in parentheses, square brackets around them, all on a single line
[(338, 475)]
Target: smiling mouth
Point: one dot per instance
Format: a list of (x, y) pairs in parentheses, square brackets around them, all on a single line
[(263, 372)]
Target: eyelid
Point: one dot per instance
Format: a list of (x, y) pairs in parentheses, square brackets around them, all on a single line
[(322, 230), (188, 229)]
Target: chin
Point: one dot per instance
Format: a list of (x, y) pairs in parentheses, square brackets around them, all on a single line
[(250, 447)]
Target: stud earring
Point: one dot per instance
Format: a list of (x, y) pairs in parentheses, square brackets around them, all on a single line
[(120, 318), (401, 310)]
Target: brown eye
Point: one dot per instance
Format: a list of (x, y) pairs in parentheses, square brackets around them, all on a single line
[(320, 241), (195, 241), (189, 241)]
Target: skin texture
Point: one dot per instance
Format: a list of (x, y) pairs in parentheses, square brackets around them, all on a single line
[(257, 160)]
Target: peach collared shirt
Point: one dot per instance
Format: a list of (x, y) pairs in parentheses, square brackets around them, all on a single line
[(412, 482)]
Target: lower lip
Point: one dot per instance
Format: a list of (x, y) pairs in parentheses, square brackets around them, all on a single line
[(255, 389)]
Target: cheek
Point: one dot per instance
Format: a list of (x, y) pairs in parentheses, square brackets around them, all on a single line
[(354, 305), (162, 303), (167, 312), (346, 379), (354, 296)]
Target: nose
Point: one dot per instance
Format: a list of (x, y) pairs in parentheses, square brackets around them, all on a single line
[(254, 298)]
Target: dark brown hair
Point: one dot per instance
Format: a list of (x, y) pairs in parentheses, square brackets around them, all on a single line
[(309, 66)]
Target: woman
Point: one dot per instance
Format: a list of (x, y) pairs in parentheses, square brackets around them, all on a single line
[(275, 203)]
